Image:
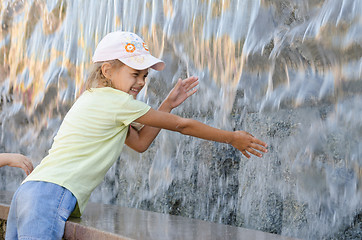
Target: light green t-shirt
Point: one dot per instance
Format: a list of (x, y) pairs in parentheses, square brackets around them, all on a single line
[(88, 142)]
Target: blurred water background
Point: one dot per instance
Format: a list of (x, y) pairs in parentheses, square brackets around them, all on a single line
[(288, 71)]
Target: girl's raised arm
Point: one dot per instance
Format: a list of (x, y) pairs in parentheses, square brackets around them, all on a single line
[(142, 139)]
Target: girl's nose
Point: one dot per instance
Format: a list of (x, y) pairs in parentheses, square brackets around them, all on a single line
[(141, 81)]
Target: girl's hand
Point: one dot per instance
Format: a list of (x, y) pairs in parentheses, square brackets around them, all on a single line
[(141, 139), (182, 90), (20, 161), (247, 143)]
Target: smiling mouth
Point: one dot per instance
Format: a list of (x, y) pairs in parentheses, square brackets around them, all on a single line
[(135, 90)]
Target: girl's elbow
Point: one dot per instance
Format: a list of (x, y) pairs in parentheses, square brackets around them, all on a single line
[(141, 149), (183, 126)]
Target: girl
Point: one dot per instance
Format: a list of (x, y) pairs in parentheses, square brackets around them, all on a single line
[(16, 160), (92, 134)]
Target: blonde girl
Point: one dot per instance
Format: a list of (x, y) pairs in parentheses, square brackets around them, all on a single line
[(94, 131)]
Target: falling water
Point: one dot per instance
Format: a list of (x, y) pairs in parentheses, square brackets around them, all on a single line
[(289, 72)]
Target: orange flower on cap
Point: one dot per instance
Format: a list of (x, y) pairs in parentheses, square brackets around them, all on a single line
[(145, 47), (130, 48)]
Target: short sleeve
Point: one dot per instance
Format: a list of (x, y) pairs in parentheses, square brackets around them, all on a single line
[(131, 110)]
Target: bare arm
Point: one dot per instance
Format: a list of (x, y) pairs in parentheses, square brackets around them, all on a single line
[(141, 140), (16, 160), (241, 140)]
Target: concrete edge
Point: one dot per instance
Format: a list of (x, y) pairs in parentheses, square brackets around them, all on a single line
[(73, 230), (76, 231), (118, 223), (4, 211)]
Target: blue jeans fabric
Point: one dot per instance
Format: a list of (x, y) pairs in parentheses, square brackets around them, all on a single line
[(39, 210)]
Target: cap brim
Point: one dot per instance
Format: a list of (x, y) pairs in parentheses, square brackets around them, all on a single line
[(143, 62)]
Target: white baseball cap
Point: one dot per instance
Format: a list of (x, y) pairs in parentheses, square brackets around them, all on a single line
[(128, 48)]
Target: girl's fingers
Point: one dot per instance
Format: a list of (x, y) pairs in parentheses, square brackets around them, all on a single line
[(26, 170), (245, 153), (179, 82), (252, 151), (193, 85), (29, 165), (260, 142), (258, 147), (190, 80), (191, 92)]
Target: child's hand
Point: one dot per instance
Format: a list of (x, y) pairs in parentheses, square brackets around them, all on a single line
[(247, 143), (20, 161), (182, 90)]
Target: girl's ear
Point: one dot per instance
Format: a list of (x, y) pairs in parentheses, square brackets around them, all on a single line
[(107, 70)]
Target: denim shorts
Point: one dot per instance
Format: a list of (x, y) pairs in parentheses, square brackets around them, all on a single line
[(39, 210)]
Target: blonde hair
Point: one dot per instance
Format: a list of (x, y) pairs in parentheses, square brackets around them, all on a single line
[(96, 77)]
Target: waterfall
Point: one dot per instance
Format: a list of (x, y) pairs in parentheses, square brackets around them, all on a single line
[(289, 72)]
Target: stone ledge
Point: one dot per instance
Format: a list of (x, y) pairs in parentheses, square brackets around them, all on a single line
[(101, 221)]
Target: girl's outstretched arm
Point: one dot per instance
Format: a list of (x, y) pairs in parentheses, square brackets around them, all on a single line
[(243, 141), (141, 140), (16, 160)]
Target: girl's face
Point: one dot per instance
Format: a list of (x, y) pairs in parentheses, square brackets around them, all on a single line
[(128, 80)]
